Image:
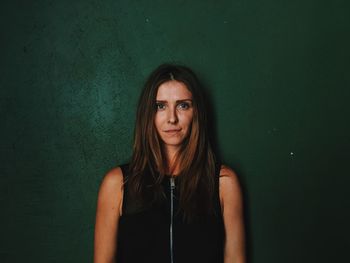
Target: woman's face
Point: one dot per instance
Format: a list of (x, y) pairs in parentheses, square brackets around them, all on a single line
[(174, 113)]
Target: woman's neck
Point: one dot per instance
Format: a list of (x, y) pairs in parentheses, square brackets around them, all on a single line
[(171, 170), (171, 156)]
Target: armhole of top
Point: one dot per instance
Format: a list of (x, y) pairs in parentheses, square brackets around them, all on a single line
[(124, 168), (217, 181)]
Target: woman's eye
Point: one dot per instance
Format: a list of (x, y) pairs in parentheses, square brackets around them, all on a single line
[(160, 106), (184, 105)]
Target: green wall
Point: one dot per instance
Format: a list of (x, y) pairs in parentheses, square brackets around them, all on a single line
[(278, 77)]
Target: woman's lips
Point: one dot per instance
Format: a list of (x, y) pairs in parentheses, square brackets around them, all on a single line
[(172, 131)]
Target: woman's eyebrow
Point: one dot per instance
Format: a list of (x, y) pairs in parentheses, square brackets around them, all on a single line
[(164, 101)]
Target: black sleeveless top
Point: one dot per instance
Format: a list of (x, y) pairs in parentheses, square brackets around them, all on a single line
[(158, 234)]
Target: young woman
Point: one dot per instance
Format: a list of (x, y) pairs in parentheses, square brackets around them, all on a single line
[(174, 202)]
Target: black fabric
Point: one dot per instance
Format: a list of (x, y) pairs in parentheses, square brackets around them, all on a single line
[(144, 236)]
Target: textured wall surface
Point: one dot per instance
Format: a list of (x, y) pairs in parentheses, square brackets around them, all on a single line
[(278, 77)]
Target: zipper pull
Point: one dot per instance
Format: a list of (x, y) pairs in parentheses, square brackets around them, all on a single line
[(172, 183)]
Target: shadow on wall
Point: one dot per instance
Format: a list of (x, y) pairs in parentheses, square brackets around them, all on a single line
[(212, 123)]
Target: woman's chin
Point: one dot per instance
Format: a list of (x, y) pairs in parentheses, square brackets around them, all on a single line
[(172, 143)]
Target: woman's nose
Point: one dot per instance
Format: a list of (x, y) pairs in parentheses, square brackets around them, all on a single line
[(172, 115)]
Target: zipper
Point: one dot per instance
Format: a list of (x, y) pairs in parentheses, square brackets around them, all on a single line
[(172, 187)]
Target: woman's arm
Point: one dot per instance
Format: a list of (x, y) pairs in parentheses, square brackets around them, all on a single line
[(107, 216), (232, 210)]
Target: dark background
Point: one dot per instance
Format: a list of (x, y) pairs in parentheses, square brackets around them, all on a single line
[(278, 77)]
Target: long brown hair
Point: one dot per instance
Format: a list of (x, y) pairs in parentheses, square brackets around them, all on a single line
[(195, 158)]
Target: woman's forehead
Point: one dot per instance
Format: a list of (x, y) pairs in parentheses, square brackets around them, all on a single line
[(173, 90)]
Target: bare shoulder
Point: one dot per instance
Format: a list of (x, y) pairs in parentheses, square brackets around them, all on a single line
[(113, 177), (108, 213), (230, 191), (111, 189), (112, 181), (227, 176), (232, 214)]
